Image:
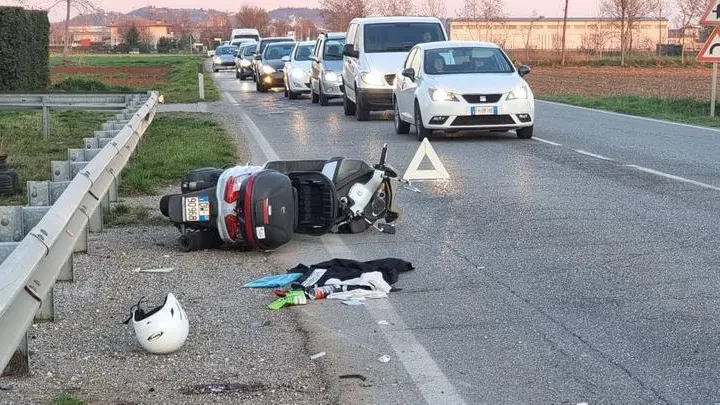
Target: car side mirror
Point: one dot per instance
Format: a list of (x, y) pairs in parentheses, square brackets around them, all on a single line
[(409, 73), (523, 70), (286, 59), (349, 50)]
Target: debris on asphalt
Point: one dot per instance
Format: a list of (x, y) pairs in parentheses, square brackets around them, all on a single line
[(353, 302), (292, 298), (317, 355), (273, 281), (6, 387), (358, 376), (383, 323), (160, 270), (384, 358), (260, 324), (224, 388)]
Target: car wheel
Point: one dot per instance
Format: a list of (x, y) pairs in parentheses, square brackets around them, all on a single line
[(237, 74), (360, 111), (525, 133), (260, 88), (323, 98), (420, 130), (287, 92), (401, 127), (215, 70), (293, 95), (314, 98), (348, 106)]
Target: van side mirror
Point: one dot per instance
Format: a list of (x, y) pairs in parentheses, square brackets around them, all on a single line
[(409, 73), (349, 50), (523, 70)]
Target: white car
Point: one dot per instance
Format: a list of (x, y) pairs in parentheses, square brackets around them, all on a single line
[(462, 85), (296, 74)]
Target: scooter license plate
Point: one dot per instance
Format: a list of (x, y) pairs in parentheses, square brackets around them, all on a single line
[(196, 209), (484, 110)]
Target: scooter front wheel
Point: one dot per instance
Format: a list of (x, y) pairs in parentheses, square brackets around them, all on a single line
[(186, 243)]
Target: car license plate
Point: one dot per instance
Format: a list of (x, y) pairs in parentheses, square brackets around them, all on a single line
[(484, 110), (196, 209)]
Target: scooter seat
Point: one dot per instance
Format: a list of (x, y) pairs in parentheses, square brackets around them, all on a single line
[(316, 203)]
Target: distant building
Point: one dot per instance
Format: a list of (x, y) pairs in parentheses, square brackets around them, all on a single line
[(598, 34), (690, 38), (85, 35), (150, 31)]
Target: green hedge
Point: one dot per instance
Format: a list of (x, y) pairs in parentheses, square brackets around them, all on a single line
[(24, 53)]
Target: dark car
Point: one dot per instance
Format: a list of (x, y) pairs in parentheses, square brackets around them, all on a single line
[(261, 45), (224, 57), (244, 60), (269, 69)]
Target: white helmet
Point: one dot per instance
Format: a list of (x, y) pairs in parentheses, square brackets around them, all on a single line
[(162, 330)]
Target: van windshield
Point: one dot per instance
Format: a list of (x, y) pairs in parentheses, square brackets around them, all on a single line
[(246, 36), (333, 49), (400, 37)]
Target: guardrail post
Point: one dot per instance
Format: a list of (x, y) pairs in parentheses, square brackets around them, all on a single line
[(66, 271), (19, 364), (46, 118), (95, 221), (46, 312)]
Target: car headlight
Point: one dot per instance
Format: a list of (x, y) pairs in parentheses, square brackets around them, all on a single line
[(519, 93), (244, 63), (268, 69), (298, 74), (331, 76), (216, 60), (373, 78), (442, 95)]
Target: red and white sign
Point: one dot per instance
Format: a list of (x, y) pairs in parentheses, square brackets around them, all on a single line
[(711, 50), (712, 15)]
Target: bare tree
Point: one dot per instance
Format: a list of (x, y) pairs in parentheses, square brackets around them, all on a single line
[(305, 29), (470, 11), (433, 8), (337, 14), (253, 17), (625, 13), (528, 32), (280, 28), (564, 29), (82, 6), (687, 12), (483, 13), (394, 7), (661, 9)]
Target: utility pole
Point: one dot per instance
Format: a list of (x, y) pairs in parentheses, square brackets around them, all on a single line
[(67, 30), (562, 52)]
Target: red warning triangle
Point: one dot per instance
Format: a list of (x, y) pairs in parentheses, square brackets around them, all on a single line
[(710, 52), (712, 14)]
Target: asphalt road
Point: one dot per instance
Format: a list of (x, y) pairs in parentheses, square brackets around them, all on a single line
[(580, 266)]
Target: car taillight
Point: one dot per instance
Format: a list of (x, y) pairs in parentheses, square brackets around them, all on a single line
[(231, 224), (230, 192)]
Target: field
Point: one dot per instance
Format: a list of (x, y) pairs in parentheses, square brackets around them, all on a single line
[(175, 76)]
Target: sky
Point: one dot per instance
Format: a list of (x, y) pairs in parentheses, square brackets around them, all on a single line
[(514, 8)]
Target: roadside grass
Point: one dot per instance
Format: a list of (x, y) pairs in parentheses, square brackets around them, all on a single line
[(546, 58), (685, 111), (66, 399), (180, 84), (173, 144), (22, 139)]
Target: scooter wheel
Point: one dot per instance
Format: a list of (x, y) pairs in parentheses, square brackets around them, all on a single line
[(186, 244)]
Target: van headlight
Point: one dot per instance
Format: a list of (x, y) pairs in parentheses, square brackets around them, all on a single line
[(268, 69), (298, 74), (373, 78), (331, 76), (519, 93), (442, 95)]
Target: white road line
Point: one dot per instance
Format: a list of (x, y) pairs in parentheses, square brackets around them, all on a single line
[(586, 153), (546, 141), (655, 120), (432, 383), (673, 177), (255, 131)]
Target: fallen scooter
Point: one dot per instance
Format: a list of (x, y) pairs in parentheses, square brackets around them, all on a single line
[(262, 207)]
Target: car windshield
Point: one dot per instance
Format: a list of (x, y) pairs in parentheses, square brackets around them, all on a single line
[(466, 60), (333, 49), (277, 51), (226, 50), (400, 37), (248, 50), (267, 42), (303, 52)]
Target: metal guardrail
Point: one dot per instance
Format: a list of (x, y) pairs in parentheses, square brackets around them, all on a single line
[(28, 274)]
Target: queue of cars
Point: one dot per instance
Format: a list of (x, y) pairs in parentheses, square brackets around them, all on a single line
[(404, 64)]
